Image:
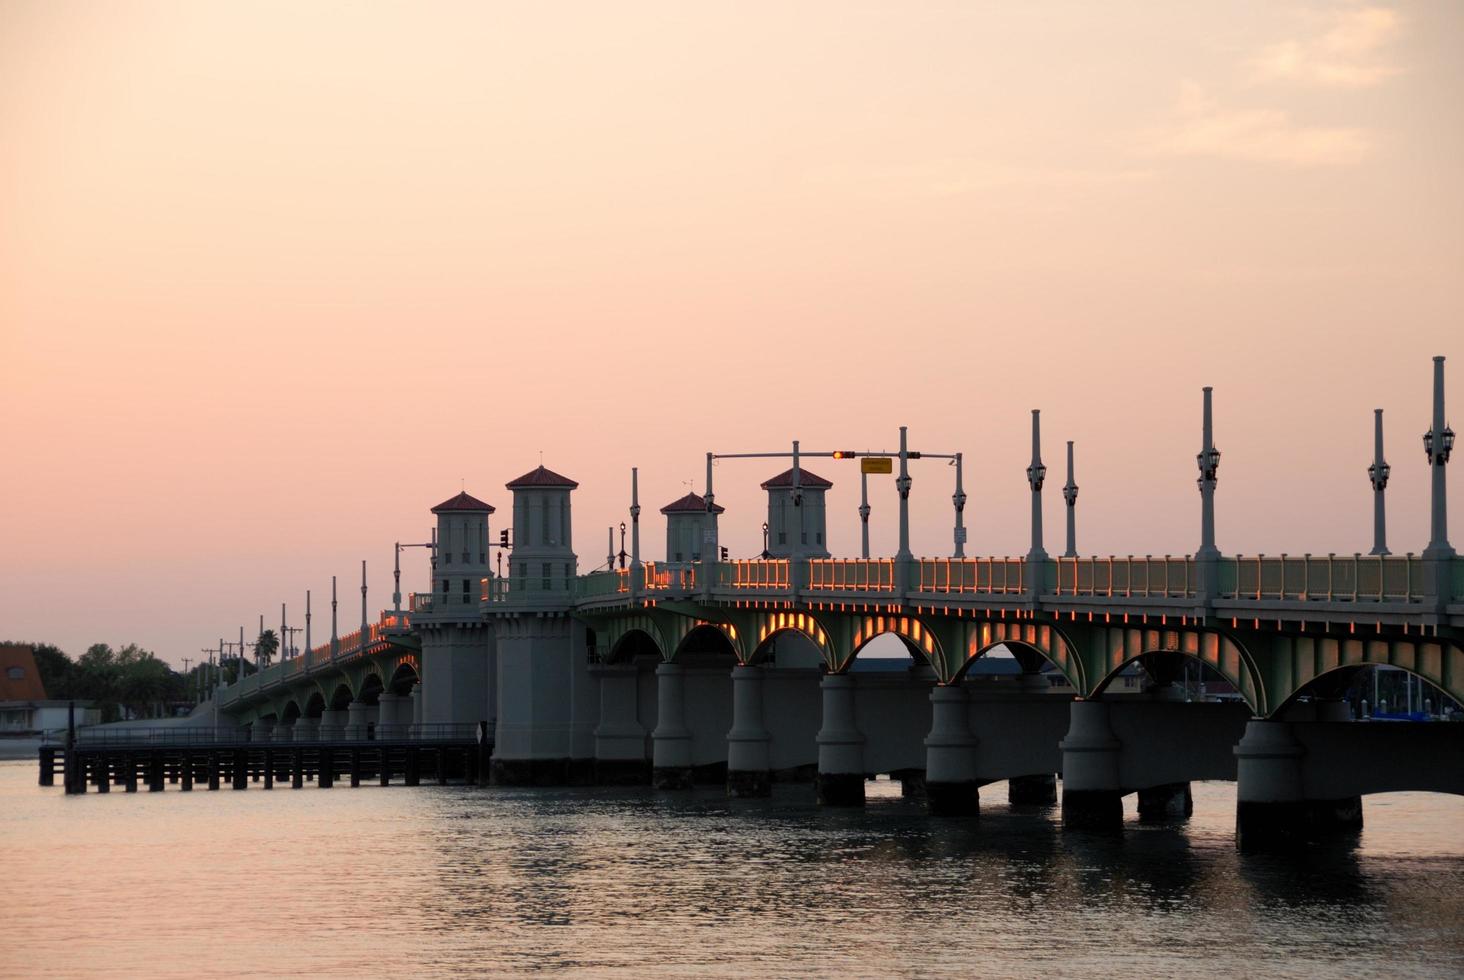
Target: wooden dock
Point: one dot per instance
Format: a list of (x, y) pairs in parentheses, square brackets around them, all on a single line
[(209, 759)]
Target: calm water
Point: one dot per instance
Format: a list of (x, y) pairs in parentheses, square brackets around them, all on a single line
[(450, 881)]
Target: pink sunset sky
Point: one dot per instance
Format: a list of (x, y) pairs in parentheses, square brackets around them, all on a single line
[(275, 278)]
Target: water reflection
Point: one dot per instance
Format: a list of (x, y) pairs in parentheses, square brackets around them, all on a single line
[(446, 881)]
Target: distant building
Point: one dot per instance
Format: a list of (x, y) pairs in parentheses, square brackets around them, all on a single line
[(24, 708)]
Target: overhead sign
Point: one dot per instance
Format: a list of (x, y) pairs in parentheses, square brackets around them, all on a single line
[(876, 464)]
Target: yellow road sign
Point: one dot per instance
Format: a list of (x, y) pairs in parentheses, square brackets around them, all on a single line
[(876, 464)]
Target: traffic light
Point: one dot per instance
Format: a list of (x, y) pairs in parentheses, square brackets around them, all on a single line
[(724, 552), (845, 454), (503, 538)]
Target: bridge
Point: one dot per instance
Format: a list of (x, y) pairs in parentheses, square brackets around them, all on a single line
[(748, 671)]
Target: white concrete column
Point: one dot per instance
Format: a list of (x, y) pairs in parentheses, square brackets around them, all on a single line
[(1091, 795), (950, 753), (620, 740), (307, 729), (262, 730), (671, 766), (332, 725), (357, 715), (749, 766), (284, 731), (416, 710), (840, 780)]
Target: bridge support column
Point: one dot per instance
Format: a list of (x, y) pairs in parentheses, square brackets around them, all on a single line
[(307, 729), (1271, 806), (951, 787), (749, 765), (357, 713), (332, 725), (840, 780), (416, 713), (671, 741), (390, 709), (284, 731), (262, 730), (620, 740), (1091, 795)]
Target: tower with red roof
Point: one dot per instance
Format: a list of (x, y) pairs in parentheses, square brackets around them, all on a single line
[(797, 527), (688, 523)]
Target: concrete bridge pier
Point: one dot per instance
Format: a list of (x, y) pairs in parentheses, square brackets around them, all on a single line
[(416, 711), (393, 715), (671, 765), (840, 780), (357, 718), (1272, 805), (620, 740), (284, 731), (1092, 797), (307, 729), (262, 730), (951, 785), (332, 724), (749, 765)]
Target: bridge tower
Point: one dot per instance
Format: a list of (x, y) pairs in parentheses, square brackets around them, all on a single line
[(690, 527), (548, 702), (457, 645), (797, 526)]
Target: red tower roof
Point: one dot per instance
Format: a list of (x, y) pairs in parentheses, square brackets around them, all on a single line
[(806, 479), (463, 501), (541, 478), (691, 504)]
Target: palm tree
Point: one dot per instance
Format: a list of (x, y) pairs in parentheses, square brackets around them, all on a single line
[(265, 647)]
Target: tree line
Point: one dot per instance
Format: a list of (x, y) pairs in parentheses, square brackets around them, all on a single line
[(131, 682)]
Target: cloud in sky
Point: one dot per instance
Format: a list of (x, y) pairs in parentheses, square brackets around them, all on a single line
[(1349, 53), (1205, 128)]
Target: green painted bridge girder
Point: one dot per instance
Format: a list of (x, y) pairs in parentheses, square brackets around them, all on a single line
[(1269, 669)]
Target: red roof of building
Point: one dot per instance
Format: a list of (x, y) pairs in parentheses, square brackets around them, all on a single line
[(463, 501), (542, 477), (27, 686), (691, 504), (806, 479)]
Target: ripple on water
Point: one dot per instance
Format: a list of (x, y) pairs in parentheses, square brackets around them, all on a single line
[(436, 881)]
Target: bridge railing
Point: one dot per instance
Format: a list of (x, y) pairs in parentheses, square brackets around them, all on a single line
[(160, 735), (978, 576), (852, 574), (769, 575), (1332, 578), (1145, 577)]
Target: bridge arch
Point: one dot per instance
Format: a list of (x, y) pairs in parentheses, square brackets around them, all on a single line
[(315, 704), (1337, 683), (1042, 639), (1298, 662), (805, 624), (289, 712), (372, 687), (404, 677), (340, 697), (918, 639), (709, 637), (633, 643), (1217, 651)]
